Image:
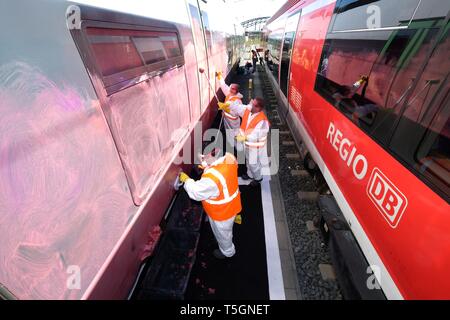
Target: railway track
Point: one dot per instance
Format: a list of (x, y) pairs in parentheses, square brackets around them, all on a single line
[(300, 192)]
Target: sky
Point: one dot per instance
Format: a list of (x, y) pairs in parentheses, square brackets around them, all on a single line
[(248, 9), (242, 10)]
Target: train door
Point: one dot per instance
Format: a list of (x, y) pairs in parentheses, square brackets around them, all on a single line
[(201, 52), (286, 53), (274, 43)]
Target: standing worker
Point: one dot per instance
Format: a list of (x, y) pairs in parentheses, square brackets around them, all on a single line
[(218, 190), (253, 134), (231, 120), (254, 60), (261, 60)]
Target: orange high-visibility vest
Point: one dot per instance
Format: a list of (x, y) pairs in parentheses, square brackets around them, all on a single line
[(247, 128), (225, 176), (231, 98)]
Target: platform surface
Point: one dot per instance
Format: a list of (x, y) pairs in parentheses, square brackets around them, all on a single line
[(244, 276)]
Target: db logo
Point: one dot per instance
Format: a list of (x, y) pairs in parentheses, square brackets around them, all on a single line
[(386, 197)]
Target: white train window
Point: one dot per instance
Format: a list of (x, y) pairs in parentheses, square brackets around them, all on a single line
[(156, 48), (135, 63), (114, 50), (273, 52), (125, 57), (288, 43)]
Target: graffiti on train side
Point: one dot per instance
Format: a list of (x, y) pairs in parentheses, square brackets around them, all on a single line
[(60, 181)]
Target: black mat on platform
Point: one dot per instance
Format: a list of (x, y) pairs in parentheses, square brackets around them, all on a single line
[(243, 276)]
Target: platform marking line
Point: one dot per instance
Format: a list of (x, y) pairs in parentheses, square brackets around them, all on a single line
[(274, 271), (388, 285)]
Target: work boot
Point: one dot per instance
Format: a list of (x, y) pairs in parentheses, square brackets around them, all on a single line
[(245, 177), (255, 183), (219, 255)]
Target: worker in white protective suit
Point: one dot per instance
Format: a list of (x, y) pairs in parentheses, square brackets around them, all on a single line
[(253, 137), (218, 190), (232, 121)]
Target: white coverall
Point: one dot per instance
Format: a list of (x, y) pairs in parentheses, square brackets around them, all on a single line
[(231, 126), (204, 189), (256, 158)]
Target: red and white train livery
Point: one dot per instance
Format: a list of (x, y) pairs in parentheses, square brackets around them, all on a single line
[(365, 86)]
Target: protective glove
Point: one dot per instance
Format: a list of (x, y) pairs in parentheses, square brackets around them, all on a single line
[(241, 138), (219, 75), (238, 219), (361, 80), (183, 177), (224, 106)]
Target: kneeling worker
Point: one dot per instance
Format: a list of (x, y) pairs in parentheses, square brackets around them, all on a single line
[(253, 134), (232, 121), (218, 190)]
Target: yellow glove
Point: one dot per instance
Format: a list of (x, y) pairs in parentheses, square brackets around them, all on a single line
[(238, 219), (219, 75), (362, 80), (183, 177), (225, 106), (241, 138)]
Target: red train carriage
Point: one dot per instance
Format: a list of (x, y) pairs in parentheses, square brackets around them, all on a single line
[(365, 86)]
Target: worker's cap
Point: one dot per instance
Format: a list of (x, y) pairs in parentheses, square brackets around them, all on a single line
[(234, 86), (210, 153)]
